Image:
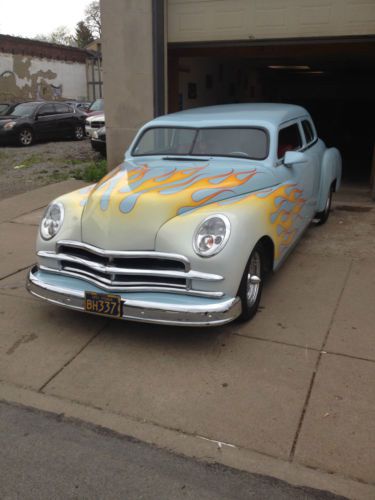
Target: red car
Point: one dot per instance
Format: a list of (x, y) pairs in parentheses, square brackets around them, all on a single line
[(96, 108)]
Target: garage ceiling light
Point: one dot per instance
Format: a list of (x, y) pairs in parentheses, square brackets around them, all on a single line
[(288, 67)]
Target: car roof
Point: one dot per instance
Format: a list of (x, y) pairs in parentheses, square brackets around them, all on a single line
[(233, 114)]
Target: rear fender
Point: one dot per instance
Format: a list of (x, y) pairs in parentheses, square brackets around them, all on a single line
[(330, 173)]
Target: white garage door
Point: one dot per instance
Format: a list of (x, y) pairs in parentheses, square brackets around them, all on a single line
[(210, 20)]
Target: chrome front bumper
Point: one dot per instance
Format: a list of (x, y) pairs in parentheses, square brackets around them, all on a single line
[(161, 308)]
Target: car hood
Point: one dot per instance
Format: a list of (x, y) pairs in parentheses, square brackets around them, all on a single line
[(126, 209), (91, 114), (6, 118)]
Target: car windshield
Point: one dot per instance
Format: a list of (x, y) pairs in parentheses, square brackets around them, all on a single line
[(97, 105), (24, 109), (241, 142), (3, 108)]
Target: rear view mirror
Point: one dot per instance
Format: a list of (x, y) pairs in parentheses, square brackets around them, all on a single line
[(292, 157)]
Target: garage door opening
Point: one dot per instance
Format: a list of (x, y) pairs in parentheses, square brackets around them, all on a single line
[(334, 79)]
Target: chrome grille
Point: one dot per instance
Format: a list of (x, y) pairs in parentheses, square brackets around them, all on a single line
[(97, 124), (126, 270)]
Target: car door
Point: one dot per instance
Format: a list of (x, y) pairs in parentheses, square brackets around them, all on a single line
[(65, 119), (45, 123), (301, 175)]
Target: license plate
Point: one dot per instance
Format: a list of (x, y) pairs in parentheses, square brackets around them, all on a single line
[(104, 304)]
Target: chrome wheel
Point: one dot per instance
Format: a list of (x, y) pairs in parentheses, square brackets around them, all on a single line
[(321, 217), (251, 285), (253, 278), (78, 132), (25, 137), (327, 208)]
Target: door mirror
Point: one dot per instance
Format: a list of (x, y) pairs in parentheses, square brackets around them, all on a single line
[(292, 157)]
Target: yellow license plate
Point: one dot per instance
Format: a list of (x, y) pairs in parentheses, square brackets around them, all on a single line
[(104, 304)]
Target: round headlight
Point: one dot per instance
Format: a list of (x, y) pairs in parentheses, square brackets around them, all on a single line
[(52, 221), (212, 235)]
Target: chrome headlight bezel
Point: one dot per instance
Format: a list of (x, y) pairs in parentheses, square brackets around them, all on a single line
[(199, 235), (49, 226)]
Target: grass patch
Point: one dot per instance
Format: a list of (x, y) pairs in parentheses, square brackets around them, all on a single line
[(32, 160), (57, 177), (92, 172), (75, 161)]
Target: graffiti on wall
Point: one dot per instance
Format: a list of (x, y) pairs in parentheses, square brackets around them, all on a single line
[(20, 83)]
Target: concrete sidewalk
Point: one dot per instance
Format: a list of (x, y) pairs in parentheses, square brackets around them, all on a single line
[(289, 394)]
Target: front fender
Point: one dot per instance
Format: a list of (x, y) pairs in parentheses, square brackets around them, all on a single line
[(275, 212), (74, 203), (330, 172), (177, 234)]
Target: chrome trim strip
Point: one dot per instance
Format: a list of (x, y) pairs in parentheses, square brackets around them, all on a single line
[(124, 254), (138, 288), (212, 314), (122, 270), (80, 273)]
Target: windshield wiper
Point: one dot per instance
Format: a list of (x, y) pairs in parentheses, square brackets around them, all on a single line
[(184, 158)]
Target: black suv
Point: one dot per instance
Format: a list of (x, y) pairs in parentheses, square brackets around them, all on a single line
[(31, 121)]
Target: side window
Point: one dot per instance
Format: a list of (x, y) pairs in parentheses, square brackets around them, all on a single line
[(289, 140), (309, 133), (47, 109), (62, 108)]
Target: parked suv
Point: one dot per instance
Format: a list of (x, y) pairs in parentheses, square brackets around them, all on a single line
[(93, 123), (31, 121)]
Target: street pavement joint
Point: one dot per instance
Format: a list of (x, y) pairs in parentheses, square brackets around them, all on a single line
[(41, 389), (15, 272), (321, 351), (280, 342)]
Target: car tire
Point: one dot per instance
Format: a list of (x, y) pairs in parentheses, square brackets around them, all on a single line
[(25, 137), (249, 291), (79, 132), (321, 217)]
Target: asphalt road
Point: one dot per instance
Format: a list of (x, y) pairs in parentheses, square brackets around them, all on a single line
[(44, 456)]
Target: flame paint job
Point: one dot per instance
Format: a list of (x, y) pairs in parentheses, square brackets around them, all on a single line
[(186, 187), (155, 203), (282, 206), (192, 188)]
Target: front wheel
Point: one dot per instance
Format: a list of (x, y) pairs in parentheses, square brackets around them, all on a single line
[(79, 132), (251, 285), (321, 217), (25, 137)]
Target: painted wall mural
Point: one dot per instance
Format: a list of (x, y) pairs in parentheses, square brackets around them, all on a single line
[(26, 78)]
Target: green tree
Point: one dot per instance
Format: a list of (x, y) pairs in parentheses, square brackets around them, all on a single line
[(93, 19), (83, 35)]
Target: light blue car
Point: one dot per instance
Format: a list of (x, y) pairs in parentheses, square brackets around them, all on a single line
[(206, 202)]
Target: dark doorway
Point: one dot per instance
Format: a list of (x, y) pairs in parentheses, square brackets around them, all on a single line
[(333, 78)]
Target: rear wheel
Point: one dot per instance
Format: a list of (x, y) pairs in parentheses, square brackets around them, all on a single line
[(25, 137), (251, 285), (321, 217)]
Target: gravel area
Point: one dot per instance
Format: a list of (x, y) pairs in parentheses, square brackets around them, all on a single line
[(24, 169)]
